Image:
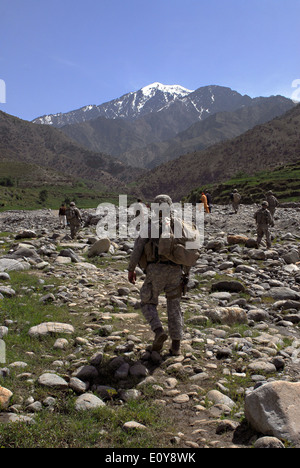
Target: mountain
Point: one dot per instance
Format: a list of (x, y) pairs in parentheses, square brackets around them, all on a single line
[(151, 98), (159, 123), (216, 128), (47, 147), (184, 106), (263, 148)]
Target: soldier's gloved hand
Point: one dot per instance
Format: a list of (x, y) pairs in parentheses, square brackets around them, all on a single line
[(132, 277)]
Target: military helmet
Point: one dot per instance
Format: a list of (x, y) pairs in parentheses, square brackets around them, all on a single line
[(163, 199), (265, 203)]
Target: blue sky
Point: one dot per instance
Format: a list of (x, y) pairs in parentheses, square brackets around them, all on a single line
[(60, 55)]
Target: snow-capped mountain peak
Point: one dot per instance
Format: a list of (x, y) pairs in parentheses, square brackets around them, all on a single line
[(151, 98), (175, 90), (154, 98)]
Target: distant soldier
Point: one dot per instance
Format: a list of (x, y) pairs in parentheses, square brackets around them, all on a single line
[(209, 201), (62, 216), (235, 200), (272, 201), (74, 219), (264, 220)]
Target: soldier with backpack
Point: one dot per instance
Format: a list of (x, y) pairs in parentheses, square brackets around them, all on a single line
[(166, 264), (272, 201), (74, 219), (264, 220), (235, 200)]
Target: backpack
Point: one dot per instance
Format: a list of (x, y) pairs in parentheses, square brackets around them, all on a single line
[(236, 197), (168, 247), (71, 214)]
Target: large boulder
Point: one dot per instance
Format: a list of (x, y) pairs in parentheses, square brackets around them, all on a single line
[(52, 381), (291, 257), (99, 247), (8, 264), (5, 396), (49, 328), (88, 401), (274, 409), (227, 315), (229, 286), (281, 293), (233, 239)]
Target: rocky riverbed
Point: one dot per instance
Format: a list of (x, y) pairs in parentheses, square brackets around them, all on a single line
[(237, 382)]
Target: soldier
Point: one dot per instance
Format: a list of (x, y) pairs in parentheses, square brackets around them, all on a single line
[(235, 200), (62, 216), (273, 202), (162, 275), (74, 218), (209, 201), (263, 220)]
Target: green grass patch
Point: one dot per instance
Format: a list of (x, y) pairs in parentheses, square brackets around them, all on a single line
[(283, 181), (101, 428)]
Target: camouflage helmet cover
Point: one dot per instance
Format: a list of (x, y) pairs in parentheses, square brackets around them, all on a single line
[(163, 199)]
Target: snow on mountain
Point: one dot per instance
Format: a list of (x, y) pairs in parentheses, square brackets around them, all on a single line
[(151, 98), (182, 103), (174, 90)]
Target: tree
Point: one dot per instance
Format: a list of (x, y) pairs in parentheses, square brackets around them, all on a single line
[(43, 195)]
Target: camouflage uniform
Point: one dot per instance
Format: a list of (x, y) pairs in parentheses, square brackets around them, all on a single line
[(161, 276), (264, 219), (273, 202), (75, 220), (236, 200)]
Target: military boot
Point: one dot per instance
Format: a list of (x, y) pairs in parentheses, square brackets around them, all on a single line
[(175, 349), (160, 337)]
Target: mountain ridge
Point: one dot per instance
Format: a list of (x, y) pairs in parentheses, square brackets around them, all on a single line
[(152, 98), (48, 147), (130, 105), (265, 147), (155, 138)]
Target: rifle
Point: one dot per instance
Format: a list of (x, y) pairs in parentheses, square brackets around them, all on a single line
[(184, 283)]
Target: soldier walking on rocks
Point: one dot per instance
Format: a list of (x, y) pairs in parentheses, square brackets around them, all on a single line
[(235, 200), (272, 201), (264, 220), (74, 218), (62, 216), (162, 275)]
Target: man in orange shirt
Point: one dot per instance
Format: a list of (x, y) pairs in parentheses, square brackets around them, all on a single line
[(204, 200)]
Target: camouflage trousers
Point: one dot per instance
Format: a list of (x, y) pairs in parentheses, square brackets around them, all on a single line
[(74, 228), (163, 278), (263, 230)]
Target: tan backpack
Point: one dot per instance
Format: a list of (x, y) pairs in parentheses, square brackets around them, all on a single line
[(168, 247)]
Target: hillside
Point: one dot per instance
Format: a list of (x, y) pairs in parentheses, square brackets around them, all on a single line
[(283, 181), (49, 148), (216, 128), (265, 147)]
